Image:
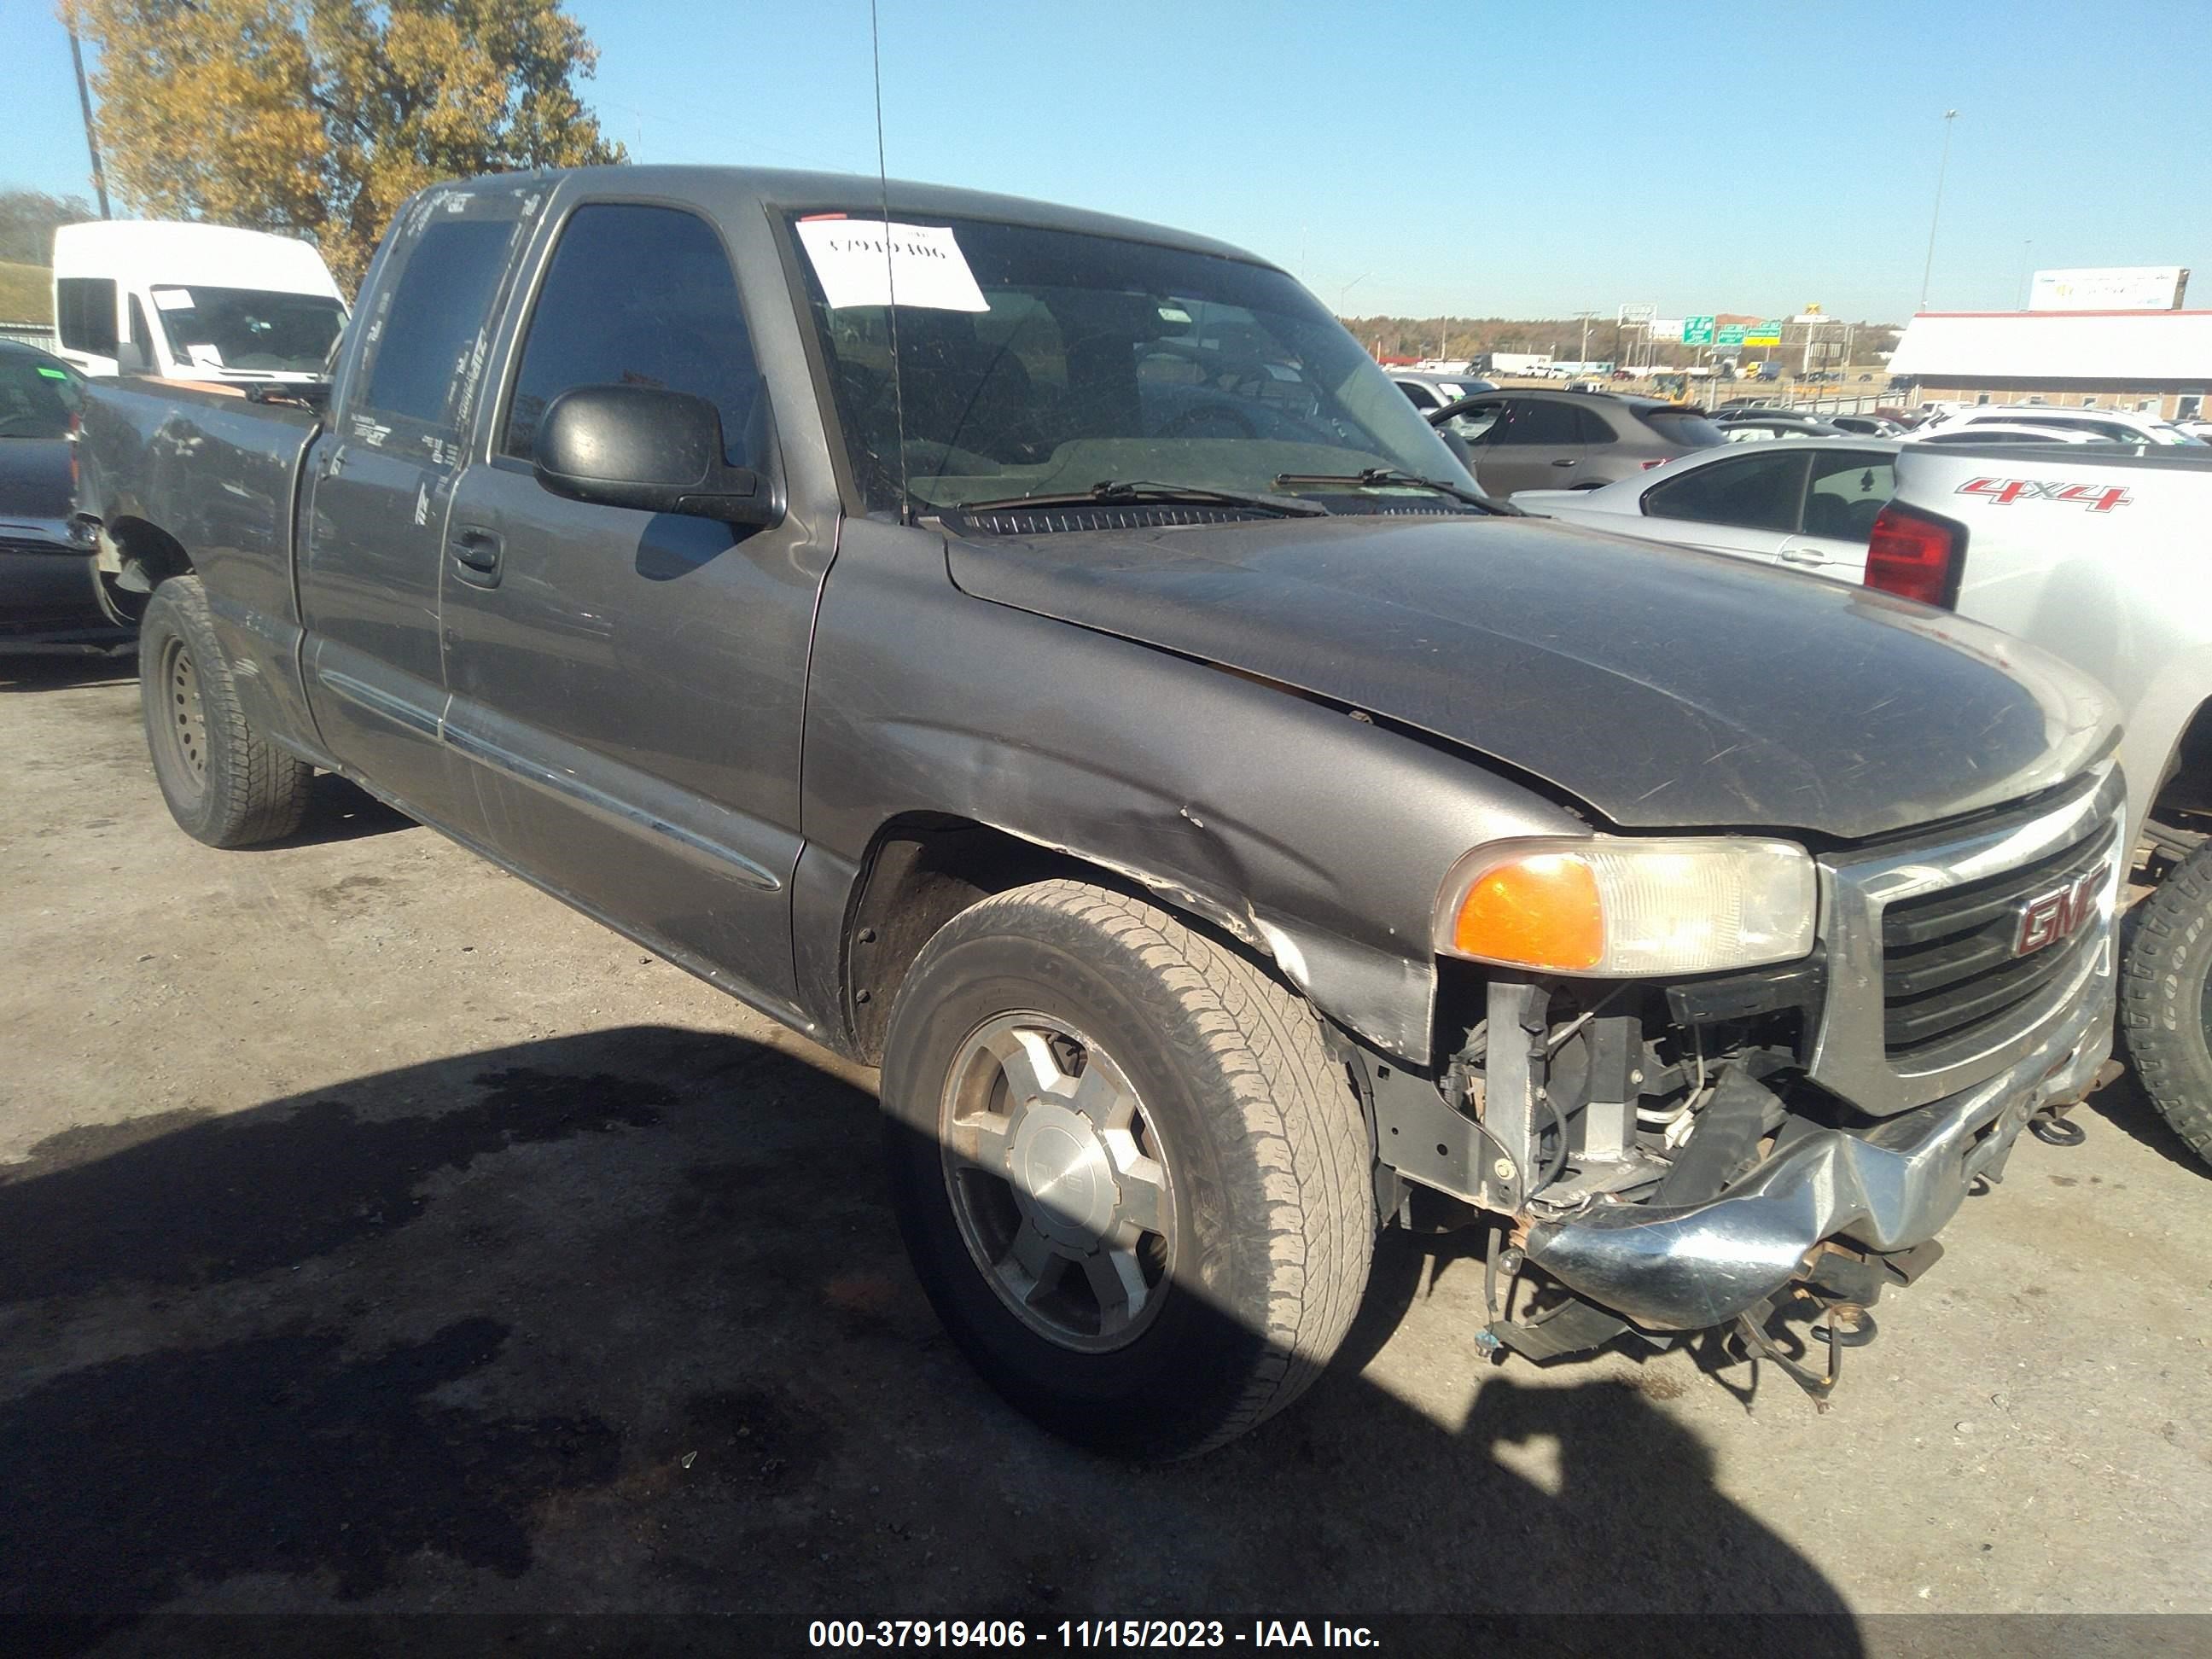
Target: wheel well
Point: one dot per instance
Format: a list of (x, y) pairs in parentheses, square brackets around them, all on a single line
[(923, 870), (149, 555), (2187, 786)]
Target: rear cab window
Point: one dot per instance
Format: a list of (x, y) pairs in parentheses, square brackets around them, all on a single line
[(439, 284)]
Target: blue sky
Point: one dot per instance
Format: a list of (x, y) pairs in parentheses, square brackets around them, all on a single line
[(1516, 160)]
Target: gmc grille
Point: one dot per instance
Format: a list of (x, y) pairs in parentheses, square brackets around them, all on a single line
[(1948, 965)]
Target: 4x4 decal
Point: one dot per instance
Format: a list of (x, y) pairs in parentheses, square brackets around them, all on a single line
[(2003, 492)]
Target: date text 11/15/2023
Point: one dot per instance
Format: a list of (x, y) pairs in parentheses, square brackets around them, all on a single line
[(1081, 1634)]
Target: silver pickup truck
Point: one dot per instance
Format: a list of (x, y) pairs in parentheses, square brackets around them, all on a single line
[(2098, 555), (1087, 688)]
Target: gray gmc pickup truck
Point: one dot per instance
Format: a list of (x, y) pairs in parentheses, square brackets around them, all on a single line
[(1086, 689)]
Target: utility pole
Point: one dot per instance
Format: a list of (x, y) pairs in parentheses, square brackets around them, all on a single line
[(91, 143), (1583, 352), (1936, 217)]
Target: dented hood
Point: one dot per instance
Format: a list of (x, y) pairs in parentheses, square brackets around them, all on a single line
[(1665, 687)]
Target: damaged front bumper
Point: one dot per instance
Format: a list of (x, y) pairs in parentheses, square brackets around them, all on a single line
[(1886, 1187)]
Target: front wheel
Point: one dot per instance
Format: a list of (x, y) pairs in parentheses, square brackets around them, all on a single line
[(1136, 1187), (2165, 998)]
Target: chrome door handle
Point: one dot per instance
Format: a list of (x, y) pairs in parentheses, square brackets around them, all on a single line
[(1800, 556)]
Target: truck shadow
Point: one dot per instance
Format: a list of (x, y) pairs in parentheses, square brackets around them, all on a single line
[(22, 671), (2124, 1105), (621, 1322)]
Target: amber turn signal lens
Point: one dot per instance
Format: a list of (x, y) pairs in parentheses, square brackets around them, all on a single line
[(1541, 911)]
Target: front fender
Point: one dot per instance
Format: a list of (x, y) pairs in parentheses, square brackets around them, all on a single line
[(1318, 838)]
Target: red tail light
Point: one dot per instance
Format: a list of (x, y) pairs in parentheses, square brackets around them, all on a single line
[(1916, 557), (1661, 461)]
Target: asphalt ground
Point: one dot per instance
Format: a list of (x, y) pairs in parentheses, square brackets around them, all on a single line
[(376, 1235)]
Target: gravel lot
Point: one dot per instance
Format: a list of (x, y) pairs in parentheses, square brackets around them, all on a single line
[(375, 1233)]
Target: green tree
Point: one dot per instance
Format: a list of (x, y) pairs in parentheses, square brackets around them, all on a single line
[(318, 117), (28, 218)]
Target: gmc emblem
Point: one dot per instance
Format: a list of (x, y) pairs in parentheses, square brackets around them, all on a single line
[(2049, 917)]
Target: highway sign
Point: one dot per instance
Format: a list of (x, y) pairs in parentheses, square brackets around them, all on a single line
[(1730, 334), (1697, 330), (1631, 315), (1762, 334)]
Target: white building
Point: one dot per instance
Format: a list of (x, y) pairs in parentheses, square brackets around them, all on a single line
[(2158, 362)]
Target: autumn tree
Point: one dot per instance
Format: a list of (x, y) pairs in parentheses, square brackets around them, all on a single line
[(318, 117)]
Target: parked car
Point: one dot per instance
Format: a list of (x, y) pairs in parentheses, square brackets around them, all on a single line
[(1426, 390), (1979, 433), (1809, 503), (1529, 440), (1867, 426), (1225, 844), (2112, 425), (2095, 554), (51, 597), (1743, 425)]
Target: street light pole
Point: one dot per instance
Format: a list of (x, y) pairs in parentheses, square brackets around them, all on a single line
[(1936, 217), (84, 102)]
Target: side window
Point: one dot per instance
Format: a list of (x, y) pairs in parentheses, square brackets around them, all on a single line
[(1416, 394), (1591, 426), (1758, 492), (1846, 493), (141, 334), (1552, 425), (85, 313), (637, 296), (1476, 424), (443, 294)]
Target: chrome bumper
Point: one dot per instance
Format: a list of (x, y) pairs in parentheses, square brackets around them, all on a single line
[(1887, 1188)]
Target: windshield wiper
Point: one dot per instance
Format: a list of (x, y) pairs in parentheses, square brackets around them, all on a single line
[(1137, 491), (1384, 477)]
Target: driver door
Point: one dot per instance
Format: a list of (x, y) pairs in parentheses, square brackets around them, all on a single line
[(627, 686)]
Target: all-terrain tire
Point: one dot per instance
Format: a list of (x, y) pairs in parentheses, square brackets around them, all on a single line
[(225, 783), (2163, 1002), (1263, 1140)]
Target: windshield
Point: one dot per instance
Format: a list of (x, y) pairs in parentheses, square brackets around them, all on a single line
[(38, 399), (1075, 359), (248, 329)]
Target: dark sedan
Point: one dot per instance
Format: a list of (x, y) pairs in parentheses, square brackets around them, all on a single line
[(50, 588)]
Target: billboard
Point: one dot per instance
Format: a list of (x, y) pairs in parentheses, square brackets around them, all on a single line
[(1667, 328), (2110, 288)]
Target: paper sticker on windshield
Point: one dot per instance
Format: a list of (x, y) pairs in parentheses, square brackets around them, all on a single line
[(924, 266), (206, 356), (173, 298)]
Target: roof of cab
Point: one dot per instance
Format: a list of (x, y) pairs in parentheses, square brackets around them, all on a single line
[(861, 195)]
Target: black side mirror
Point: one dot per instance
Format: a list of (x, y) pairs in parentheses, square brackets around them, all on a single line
[(644, 448)]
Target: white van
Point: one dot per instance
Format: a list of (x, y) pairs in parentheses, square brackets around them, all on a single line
[(187, 301)]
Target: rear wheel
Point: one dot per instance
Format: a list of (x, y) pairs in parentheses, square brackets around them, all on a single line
[(1134, 1186), (2165, 998), (225, 783)]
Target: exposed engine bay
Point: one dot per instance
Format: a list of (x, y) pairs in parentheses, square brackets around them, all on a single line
[(1655, 1161)]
